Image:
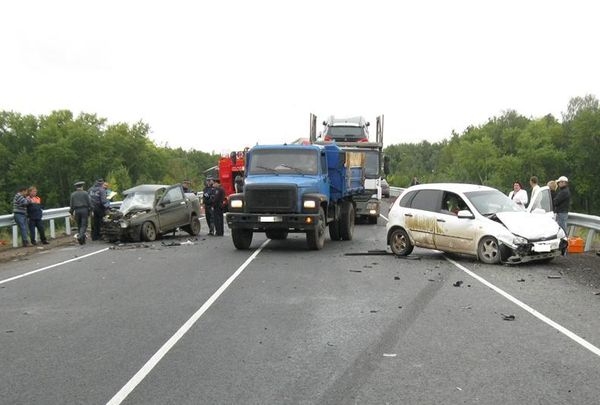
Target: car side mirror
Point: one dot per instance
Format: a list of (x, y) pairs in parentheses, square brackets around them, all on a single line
[(465, 214)]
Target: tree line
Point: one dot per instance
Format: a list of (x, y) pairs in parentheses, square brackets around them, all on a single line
[(512, 148), (53, 151)]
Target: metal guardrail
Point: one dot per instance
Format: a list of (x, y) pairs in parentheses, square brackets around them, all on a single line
[(48, 215), (396, 191)]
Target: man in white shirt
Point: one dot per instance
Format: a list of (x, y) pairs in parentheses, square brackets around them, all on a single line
[(535, 188), (518, 195)]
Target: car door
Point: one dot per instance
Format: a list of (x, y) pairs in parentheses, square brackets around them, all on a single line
[(454, 234), (172, 209), (420, 219), (542, 203)]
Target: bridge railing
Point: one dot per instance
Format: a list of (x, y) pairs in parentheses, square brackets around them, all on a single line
[(50, 215), (590, 222)]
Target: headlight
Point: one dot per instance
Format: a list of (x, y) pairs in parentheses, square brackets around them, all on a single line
[(123, 224), (237, 203), (309, 204), (519, 241), (371, 206)]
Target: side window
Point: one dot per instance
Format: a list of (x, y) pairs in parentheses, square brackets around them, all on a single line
[(543, 201), (407, 199), (174, 194), (427, 200), (452, 203), (323, 164)]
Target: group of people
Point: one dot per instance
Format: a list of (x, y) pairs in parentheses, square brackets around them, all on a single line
[(213, 198), (27, 212), (561, 197), (83, 203)]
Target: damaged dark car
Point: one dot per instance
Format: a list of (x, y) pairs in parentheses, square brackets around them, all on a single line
[(151, 210)]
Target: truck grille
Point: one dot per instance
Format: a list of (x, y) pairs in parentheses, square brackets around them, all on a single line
[(270, 199)]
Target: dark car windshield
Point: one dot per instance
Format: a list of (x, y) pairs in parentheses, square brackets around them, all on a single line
[(489, 202), (340, 133), (138, 200), (284, 161)]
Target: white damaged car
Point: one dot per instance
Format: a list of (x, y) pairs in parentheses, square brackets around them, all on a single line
[(474, 220)]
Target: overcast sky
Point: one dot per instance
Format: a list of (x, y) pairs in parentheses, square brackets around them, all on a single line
[(221, 75)]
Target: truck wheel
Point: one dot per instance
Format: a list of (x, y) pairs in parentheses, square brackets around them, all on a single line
[(194, 227), (277, 234), (373, 220), (316, 238), (347, 221), (148, 232), (242, 238), (334, 230), (400, 242)]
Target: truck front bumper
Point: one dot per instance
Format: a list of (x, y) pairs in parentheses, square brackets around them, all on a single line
[(263, 222)]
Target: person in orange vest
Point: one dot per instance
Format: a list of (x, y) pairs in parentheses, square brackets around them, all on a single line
[(34, 215)]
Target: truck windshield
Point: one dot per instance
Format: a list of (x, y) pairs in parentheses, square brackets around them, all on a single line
[(345, 133), (290, 161), (372, 165)]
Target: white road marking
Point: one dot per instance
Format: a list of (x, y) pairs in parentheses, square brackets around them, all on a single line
[(532, 311), (157, 357), (53, 265), (381, 215)]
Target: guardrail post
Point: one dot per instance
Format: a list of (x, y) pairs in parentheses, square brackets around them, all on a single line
[(52, 229), (68, 225), (15, 236), (590, 240)]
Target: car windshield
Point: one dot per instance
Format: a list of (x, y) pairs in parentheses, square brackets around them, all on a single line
[(280, 161), (491, 202), (372, 164), (345, 133), (137, 200)]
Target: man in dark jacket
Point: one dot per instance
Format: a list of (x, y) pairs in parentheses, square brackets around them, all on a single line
[(218, 208), (80, 207), (208, 196), (99, 206), (562, 202), (34, 214), (20, 203)]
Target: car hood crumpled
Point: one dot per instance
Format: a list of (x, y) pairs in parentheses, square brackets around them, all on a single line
[(529, 226)]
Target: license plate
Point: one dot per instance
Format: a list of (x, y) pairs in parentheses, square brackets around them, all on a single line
[(542, 247), (269, 219)]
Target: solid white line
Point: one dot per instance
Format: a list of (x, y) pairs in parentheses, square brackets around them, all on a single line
[(52, 266), (150, 364), (381, 215), (532, 311)]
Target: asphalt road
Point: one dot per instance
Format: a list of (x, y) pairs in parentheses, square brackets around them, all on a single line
[(292, 326)]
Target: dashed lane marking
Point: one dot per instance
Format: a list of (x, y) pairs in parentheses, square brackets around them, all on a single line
[(157, 357), (52, 266)]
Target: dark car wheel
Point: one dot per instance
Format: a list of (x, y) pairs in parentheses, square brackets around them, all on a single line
[(194, 227), (400, 242), (488, 250), (148, 231)]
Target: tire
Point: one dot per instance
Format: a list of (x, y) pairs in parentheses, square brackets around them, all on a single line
[(148, 232), (347, 221), (400, 242), (373, 220), (242, 238), (194, 227), (334, 230), (488, 250), (316, 237), (277, 234)]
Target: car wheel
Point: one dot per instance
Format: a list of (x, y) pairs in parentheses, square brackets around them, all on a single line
[(148, 231), (489, 250), (194, 227), (277, 234), (400, 242)]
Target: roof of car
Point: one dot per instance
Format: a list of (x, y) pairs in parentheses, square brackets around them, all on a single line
[(456, 187), (144, 188)]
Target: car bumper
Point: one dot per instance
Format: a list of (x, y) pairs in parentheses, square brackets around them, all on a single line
[(263, 222), (533, 251)]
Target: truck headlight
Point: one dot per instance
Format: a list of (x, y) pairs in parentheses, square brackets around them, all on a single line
[(309, 204), (237, 203)]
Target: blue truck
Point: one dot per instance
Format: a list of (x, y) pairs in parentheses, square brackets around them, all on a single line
[(297, 189)]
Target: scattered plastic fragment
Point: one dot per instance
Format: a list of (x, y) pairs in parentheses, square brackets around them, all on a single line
[(596, 293), (373, 311), (555, 277), (430, 279), (508, 317), (521, 280), (389, 354), (187, 242), (458, 283), (171, 243), (396, 278), (458, 388), (466, 307), (355, 271), (10, 331)]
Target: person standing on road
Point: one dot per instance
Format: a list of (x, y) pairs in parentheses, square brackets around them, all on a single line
[(20, 203), (208, 196), (518, 194), (218, 208), (535, 188), (34, 214), (80, 207), (99, 206), (562, 202)]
